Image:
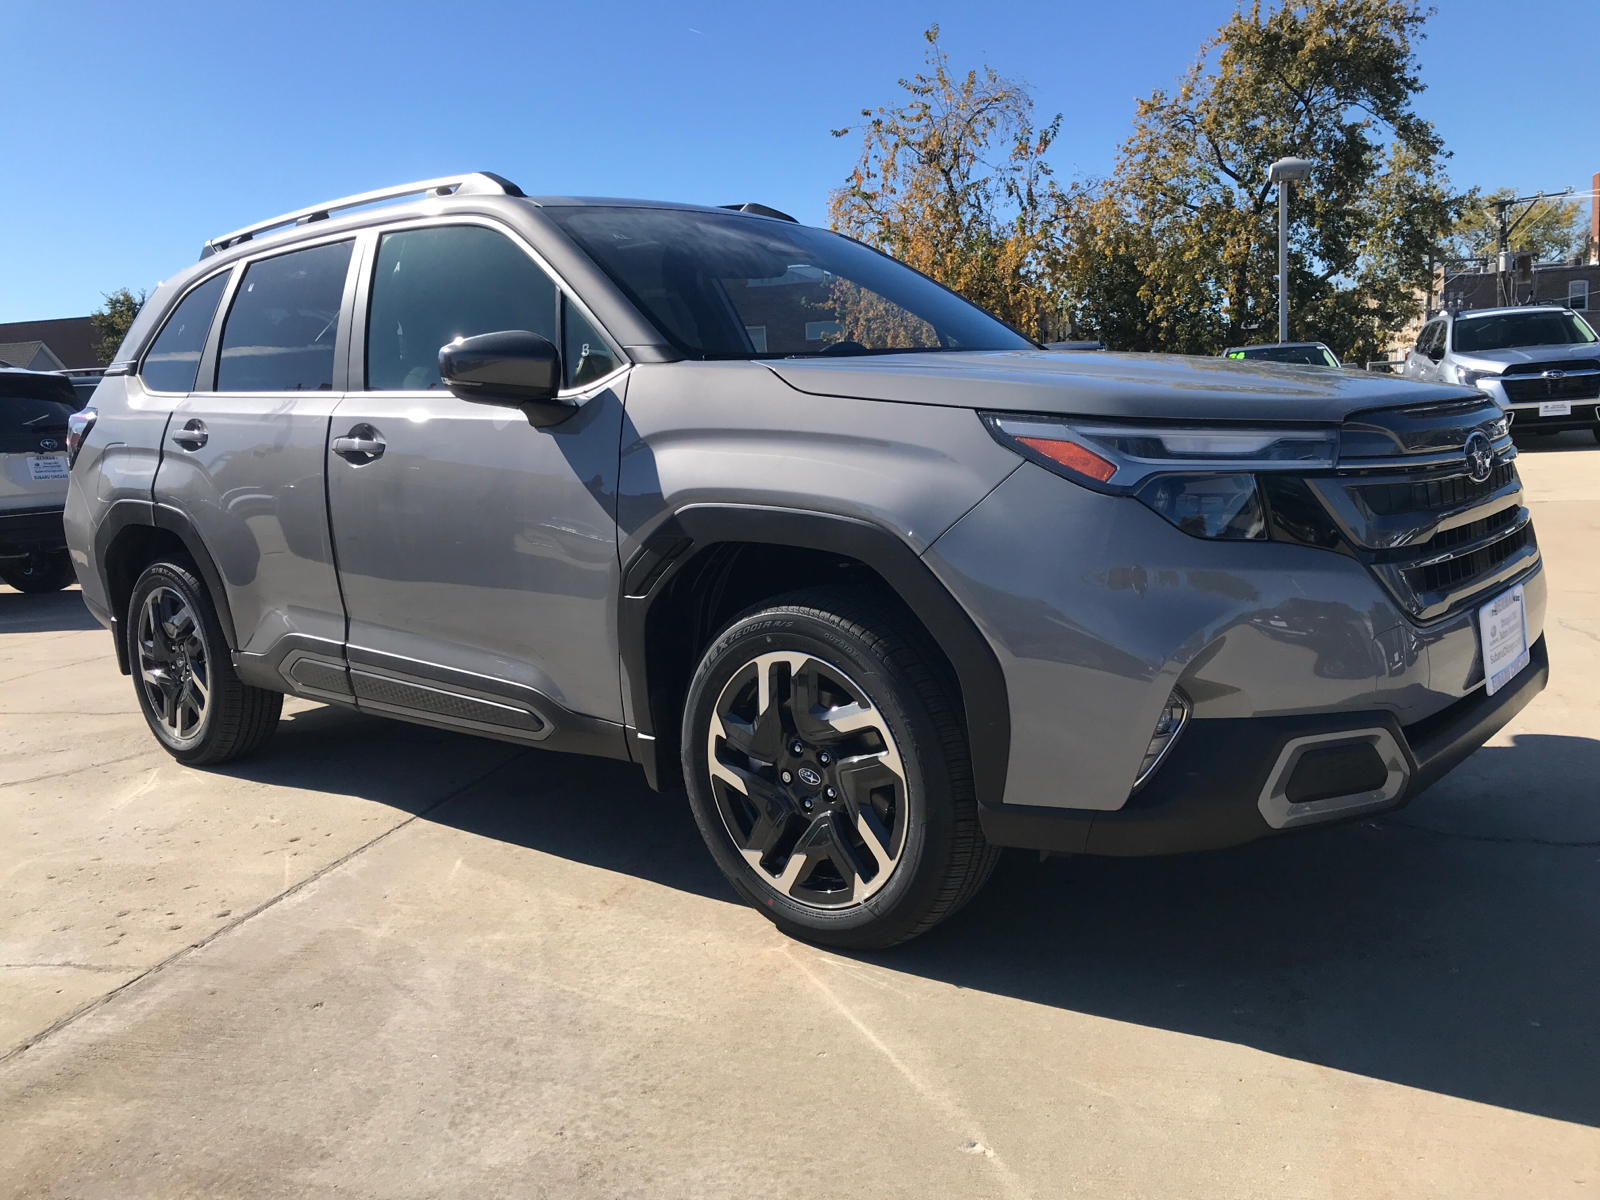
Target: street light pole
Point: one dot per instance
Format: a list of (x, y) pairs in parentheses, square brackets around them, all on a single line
[(1282, 172)]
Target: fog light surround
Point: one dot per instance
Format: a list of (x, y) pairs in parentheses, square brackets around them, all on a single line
[(1170, 724)]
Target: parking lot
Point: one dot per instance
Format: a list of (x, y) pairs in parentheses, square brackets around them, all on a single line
[(383, 960)]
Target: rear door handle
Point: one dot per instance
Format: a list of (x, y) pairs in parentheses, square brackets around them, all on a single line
[(361, 445), (193, 435)]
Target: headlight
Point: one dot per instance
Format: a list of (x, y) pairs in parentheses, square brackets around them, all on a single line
[(1468, 377), (1201, 478)]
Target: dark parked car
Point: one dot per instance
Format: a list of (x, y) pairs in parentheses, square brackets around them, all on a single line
[(1309, 354)]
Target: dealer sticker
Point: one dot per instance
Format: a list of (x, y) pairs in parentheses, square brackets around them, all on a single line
[(43, 467), (1503, 627), (1555, 408)]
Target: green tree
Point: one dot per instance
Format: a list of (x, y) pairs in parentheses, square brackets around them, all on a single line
[(1178, 249), (1551, 229), (113, 319), (954, 182)]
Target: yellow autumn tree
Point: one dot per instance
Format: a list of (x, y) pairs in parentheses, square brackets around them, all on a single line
[(953, 182)]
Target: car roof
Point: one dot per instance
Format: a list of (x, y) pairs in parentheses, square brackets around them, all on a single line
[(1510, 308)]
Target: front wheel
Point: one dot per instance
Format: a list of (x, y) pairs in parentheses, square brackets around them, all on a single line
[(191, 697), (41, 571), (828, 771)]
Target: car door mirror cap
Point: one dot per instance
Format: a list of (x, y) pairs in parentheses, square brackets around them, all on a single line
[(514, 368)]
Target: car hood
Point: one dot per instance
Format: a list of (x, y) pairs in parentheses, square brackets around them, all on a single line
[(1493, 360), (1163, 386)]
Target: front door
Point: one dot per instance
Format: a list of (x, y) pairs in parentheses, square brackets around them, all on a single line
[(244, 460), (477, 554)]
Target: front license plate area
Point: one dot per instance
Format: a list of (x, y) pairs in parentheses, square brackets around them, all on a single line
[(1555, 408), (43, 468), (1503, 631)]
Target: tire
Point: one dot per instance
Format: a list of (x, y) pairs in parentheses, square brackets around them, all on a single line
[(183, 674), (857, 830), (44, 571)]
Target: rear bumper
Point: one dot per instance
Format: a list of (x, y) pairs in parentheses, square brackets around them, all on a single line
[(1218, 787), (35, 529)]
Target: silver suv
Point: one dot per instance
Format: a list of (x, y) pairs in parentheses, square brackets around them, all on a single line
[(1542, 365), (883, 584)]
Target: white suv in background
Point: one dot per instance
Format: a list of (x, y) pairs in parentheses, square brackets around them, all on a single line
[(35, 407), (1541, 364)]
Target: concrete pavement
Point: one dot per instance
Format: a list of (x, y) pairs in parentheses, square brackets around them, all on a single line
[(380, 960)]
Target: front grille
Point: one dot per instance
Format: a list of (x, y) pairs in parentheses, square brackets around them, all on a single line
[(1403, 504), (1434, 495), (1461, 535), (1523, 390), (1453, 572)]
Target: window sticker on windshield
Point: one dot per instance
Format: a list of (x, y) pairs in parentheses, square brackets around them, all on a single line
[(45, 467)]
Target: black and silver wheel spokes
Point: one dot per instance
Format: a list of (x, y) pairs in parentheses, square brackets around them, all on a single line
[(174, 668), (808, 779)]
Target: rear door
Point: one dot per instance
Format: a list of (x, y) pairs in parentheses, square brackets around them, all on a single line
[(244, 460), (477, 553)]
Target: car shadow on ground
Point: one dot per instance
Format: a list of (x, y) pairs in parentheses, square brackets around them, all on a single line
[(44, 612), (1450, 946)]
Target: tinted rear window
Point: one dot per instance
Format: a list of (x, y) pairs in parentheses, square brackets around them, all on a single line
[(20, 415), (280, 331)]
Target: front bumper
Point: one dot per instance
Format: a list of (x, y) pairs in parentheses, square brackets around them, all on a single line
[(1224, 784), (1525, 418)]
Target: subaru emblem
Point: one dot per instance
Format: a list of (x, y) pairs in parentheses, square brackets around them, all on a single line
[(1480, 457), (1555, 374), (48, 443), (809, 776)]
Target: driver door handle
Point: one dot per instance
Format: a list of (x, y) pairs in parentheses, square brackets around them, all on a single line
[(361, 445)]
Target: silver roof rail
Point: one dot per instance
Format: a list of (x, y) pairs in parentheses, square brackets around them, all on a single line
[(477, 182)]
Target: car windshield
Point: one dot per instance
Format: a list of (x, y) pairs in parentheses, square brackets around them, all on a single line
[(734, 286), (1315, 356), (1505, 330)]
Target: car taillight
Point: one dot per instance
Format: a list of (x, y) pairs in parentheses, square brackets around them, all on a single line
[(78, 426)]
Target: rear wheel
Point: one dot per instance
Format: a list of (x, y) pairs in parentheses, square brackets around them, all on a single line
[(41, 571), (190, 695), (829, 774)]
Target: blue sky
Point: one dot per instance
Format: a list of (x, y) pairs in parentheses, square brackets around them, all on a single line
[(139, 130)]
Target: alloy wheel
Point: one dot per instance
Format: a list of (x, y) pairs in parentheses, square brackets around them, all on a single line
[(174, 666), (808, 780)]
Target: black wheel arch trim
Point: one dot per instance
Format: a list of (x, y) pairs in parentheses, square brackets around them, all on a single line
[(176, 522), (144, 513), (677, 540)]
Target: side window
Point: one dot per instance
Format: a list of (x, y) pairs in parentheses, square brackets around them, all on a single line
[(280, 331), (431, 286), (175, 357), (585, 354)]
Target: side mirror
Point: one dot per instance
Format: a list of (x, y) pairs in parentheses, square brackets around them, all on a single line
[(1436, 353), (514, 368)]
